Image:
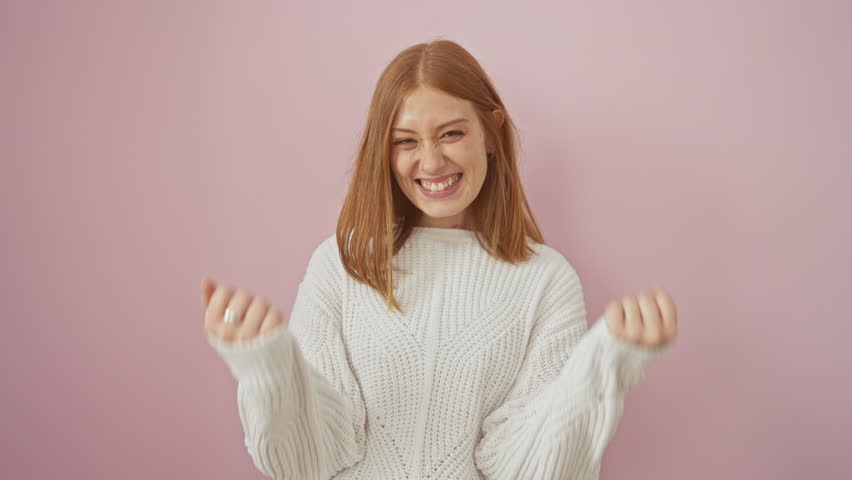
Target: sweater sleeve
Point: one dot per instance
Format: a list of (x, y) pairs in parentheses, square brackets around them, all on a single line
[(567, 399), (299, 403)]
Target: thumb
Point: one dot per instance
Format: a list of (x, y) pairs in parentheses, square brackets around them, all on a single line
[(207, 289)]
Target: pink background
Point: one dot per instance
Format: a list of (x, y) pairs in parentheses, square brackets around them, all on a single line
[(700, 146)]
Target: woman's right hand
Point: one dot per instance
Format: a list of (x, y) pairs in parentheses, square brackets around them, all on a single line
[(255, 317)]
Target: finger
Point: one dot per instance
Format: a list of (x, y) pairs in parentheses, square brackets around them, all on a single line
[(668, 313), (272, 319), (254, 317), (207, 288), (213, 316), (614, 315), (633, 318), (239, 304), (651, 323)]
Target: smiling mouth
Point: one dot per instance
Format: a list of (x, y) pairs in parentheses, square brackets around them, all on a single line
[(439, 186), (441, 189)]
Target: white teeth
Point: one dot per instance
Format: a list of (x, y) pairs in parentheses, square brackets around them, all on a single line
[(437, 187)]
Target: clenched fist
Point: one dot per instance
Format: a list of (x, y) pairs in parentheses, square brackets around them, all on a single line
[(254, 316), (649, 320)]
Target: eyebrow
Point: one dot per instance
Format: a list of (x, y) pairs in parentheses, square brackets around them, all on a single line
[(439, 126)]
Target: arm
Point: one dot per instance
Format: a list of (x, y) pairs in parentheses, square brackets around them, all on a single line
[(568, 397), (299, 403)]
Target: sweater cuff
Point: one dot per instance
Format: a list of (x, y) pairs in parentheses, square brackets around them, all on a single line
[(267, 355), (630, 359)]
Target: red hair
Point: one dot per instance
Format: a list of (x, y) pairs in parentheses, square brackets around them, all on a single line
[(377, 217)]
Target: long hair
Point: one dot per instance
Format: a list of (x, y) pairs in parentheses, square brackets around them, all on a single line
[(377, 217)]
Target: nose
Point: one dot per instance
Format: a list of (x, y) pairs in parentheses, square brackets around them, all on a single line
[(432, 161)]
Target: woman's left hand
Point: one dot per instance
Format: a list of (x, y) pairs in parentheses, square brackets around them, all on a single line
[(649, 320)]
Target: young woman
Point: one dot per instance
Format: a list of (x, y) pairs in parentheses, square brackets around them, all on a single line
[(435, 335)]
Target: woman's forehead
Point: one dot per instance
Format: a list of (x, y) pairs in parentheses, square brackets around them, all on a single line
[(425, 102)]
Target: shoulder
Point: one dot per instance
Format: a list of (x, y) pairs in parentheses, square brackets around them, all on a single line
[(324, 269), (553, 262), (558, 277), (328, 245), (325, 257), (560, 285)]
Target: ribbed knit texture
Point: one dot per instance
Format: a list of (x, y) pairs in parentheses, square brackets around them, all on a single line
[(491, 372)]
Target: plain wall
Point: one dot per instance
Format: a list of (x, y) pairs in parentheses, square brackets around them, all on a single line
[(700, 146)]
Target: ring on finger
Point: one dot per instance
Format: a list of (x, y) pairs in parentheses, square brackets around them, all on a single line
[(231, 315)]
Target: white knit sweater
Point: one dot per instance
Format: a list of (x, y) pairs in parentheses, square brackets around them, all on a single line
[(491, 372)]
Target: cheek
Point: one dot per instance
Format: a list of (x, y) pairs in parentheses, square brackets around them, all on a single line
[(477, 166), (401, 168), (396, 164)]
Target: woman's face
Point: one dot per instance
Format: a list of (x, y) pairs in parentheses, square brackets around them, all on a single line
[(438, 155)]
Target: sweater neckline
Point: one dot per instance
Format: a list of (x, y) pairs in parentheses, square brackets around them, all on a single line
[(442, 233)]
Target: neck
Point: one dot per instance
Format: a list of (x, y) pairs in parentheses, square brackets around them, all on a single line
[(460, 221)]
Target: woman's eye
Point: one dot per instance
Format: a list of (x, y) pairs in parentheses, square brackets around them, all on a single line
[(403, 141)]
